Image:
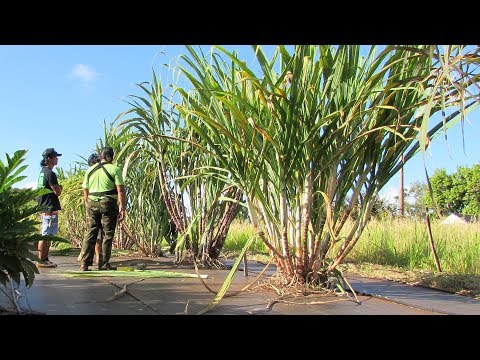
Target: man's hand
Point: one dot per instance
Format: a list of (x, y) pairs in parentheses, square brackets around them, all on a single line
[(121, 215)]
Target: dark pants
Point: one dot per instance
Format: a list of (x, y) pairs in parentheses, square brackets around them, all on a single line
[(100, 214)]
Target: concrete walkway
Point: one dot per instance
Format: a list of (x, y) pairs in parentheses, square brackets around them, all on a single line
[(55, 294), (417, 296)]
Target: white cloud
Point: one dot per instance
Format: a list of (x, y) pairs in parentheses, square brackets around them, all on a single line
[(389, 194), (84, 73)]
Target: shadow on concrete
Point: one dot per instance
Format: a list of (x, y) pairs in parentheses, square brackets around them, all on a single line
[(53, 293)]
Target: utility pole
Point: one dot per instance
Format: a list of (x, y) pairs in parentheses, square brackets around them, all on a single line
[(402, 192)]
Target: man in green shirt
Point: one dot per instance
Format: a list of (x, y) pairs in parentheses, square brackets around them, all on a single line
[(104, 194)]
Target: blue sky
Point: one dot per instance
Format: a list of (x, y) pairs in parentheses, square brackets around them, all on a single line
[(60, 95)]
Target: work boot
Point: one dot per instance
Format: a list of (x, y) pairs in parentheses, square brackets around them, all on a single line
[(46, 264), (107, 266), (84, 267)]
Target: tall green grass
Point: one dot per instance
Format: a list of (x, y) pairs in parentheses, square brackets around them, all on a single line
[(405, 244), (237, 236), (400, 243)]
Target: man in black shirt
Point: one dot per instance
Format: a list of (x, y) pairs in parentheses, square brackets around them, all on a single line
[(50, 203)]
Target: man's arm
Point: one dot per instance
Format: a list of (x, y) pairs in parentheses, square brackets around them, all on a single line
[(53, 182), (85, 196), (122, 200), (57, 189)]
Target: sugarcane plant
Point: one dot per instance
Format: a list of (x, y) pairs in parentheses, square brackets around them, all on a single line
[(313, 135), (73, 208), (146, 222), (200, 207)]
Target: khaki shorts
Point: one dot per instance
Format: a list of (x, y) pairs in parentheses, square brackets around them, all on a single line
[(49, 224)]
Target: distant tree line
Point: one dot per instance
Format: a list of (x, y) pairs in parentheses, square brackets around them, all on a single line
[(457, 193)]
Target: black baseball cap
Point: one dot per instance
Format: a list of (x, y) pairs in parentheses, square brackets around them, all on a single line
[(93, 157), (50, 152)]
